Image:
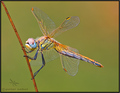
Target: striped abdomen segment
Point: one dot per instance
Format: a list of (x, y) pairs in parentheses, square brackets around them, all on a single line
[(84, 58), (79, 56)]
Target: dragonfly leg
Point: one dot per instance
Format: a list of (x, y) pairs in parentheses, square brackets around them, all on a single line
[(35, 57), (43, 64)]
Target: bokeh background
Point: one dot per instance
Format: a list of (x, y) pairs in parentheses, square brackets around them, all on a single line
[(96, 37)]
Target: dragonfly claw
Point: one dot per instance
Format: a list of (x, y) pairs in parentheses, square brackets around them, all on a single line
[(32, 78), (25, 56)]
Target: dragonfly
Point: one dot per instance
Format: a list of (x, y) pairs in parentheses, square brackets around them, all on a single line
[(47, 48)]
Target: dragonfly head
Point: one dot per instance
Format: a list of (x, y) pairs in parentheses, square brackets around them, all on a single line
[(31, 44)]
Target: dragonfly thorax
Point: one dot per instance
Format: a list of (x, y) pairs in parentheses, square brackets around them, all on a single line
[(46, 43)]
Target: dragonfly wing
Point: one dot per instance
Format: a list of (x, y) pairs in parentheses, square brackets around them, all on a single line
[(69, 64), (68, 23), (45, 23), (49, 55)]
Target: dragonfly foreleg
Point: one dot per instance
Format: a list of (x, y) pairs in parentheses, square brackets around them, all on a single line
[(27, 50), (35, 57), (43, 64)]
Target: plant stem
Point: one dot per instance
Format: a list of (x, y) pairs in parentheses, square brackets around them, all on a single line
[(15, 30)]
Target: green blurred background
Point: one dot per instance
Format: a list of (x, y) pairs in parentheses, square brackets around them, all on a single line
[(96, 37)]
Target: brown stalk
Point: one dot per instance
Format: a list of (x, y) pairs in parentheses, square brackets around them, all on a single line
[(15, 30)]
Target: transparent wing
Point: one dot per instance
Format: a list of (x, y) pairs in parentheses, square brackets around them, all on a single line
[(69, 64), (49, 55), (68, 23), (45, 23)]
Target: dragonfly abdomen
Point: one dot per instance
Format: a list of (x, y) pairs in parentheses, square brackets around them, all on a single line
[(67, 51), (81, 57), (84, 58)]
